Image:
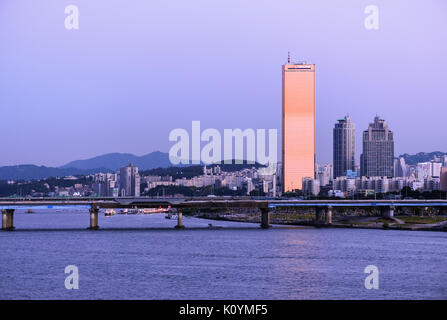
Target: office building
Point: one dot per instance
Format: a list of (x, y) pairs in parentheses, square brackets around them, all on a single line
[(377, 159), (298, 124), (344, 147)]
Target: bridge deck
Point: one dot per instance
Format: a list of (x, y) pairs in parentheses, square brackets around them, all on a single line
[(14, 203), (94, 204)]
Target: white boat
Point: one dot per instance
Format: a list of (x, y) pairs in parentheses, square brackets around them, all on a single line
[(109, 212)]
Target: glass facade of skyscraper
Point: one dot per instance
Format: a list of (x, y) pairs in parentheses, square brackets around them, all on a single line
[(344, 147), (298, 124)]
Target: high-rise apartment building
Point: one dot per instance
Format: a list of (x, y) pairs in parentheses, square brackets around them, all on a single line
[(311, 186), (344, 147), (400, 167), (105, 184), (129, 181), (298, 124), (428, 170), (324, 174), (378, 150)]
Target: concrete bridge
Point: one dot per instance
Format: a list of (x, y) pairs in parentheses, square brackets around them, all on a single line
[(321, 207)]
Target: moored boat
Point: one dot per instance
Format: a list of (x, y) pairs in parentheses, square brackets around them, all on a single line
[(109, 212)]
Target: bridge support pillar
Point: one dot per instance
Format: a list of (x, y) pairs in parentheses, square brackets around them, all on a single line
[(8, 219), (329, 215), (265, 218), (94, 218), (388, 212), (319, 211), (179, 220)]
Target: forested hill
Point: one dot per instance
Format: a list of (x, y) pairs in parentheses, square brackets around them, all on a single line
[(422, 156)]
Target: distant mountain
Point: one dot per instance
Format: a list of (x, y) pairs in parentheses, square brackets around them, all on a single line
[(32, 172), (114, 161), (422, 156), (105, 163)]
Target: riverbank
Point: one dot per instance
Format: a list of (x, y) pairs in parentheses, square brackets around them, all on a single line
[(410, 223)]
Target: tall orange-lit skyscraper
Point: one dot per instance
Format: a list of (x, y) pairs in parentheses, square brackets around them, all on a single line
[(298, 124)]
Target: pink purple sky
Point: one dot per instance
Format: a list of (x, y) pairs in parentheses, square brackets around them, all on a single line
[(135, 70)]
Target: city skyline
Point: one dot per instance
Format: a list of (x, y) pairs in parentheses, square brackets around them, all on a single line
[(63, 102), (428, 175), (224, 158)]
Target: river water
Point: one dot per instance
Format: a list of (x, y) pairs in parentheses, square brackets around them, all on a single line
[(148, 259)]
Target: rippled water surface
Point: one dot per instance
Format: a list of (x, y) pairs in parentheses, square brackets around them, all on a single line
[(239, 261)]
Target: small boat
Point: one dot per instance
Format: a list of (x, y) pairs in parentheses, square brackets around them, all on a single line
[(153, 210), (29, 211), (109, 212)]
